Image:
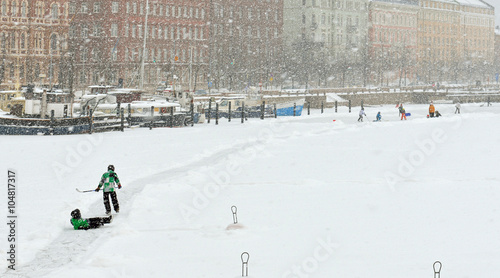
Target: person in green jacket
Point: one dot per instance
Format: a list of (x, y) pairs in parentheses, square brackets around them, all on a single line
[(80, 223), (108, 181)]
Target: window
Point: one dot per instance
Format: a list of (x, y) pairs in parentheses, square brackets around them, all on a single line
[(125, 32), (128, 7), (72, 31), (134, 8), (96, 30), (114, 7), (72, 8), (55, 11), (83, 8), (97, 7), (53, 42), (85, 31), (83, 57), (23, 41), (134, 28), (167, 11), (14, 8), (4, 8)]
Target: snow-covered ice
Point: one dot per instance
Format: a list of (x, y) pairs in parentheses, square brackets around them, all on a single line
[(315, 198)]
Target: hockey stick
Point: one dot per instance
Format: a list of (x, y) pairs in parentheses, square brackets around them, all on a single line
[(85, 191)]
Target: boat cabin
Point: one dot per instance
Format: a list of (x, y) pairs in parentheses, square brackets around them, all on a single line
[(41, 102), (122, 95)]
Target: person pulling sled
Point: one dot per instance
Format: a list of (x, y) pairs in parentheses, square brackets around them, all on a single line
[(80, 223), (108, 181), (432, 109)]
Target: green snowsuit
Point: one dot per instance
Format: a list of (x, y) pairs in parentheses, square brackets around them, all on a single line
[(108, 180), (80, 223), (89, 223)]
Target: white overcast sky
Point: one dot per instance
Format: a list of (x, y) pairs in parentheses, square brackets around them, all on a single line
[(496, 4)]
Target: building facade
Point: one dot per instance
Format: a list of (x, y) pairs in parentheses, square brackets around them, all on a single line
[(393, 41), (456, 40), (205, 44), (108, 39), (245, 43), (33, 38), (328, 37)]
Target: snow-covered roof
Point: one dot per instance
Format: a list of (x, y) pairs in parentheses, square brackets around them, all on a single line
[(125, 91), (101, 86), (148, 104), (474, 3)]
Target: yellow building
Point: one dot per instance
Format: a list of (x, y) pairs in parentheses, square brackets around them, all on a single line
[(8, 99), (455, 40)]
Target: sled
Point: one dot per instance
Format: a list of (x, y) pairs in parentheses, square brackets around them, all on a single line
[(407, 114)]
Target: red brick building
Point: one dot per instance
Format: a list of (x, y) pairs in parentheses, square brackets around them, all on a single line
[(107, 38), (33, 38), (393, 40), (219, 42)]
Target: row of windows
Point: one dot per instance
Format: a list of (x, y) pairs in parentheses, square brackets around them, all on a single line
[(396, 36), (394, 19), (155, 9), (339, 4), (21, 10), (171, 33), (156, 55), (136, 31), (239, 31), (450, 53), (251, 13), (446, 6), (331, 20), (16, 40)]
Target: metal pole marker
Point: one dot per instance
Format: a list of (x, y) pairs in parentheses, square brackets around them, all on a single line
[(234, 209), (437, 269), (244, 268)]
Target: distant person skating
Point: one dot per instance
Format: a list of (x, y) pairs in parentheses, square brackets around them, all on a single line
[(432, 109), (80, 223), (403, 114), (457, 108), (361, 113), (108, 180), (379, 117)]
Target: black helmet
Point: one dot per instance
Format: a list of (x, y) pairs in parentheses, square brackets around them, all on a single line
[(111, 167), (76, 213)]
